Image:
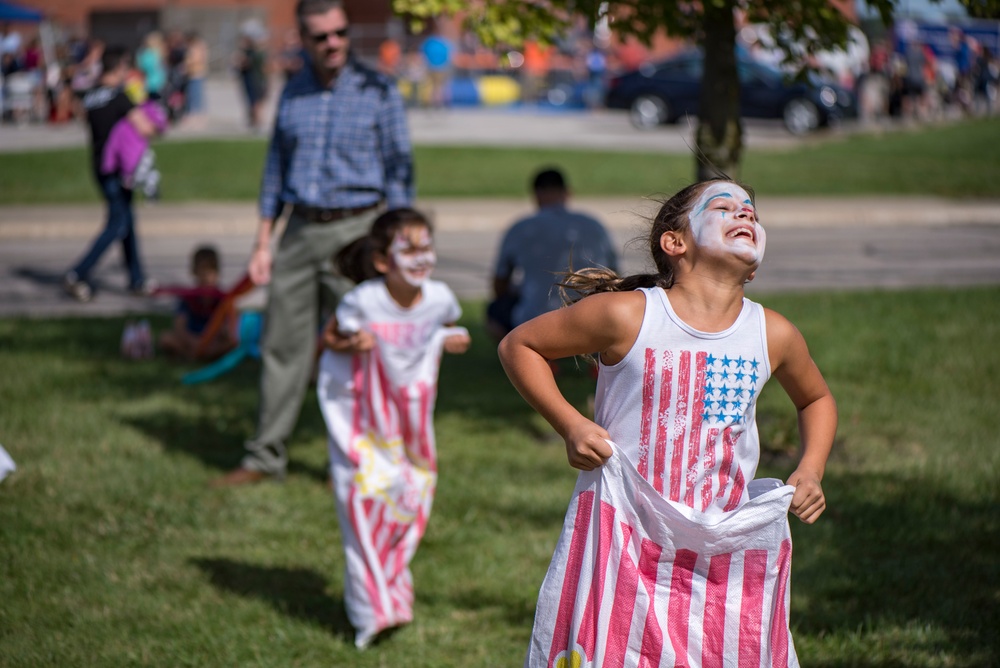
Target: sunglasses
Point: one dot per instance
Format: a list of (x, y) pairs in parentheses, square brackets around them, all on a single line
[(319, 38)]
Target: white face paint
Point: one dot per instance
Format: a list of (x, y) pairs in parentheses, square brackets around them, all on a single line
[(411, 255), (724, 220)]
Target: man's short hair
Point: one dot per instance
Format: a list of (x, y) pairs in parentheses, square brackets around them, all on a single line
[(113, 57), (549, 179), (304, 8)]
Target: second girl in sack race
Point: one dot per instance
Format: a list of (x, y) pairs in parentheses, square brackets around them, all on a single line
[(377, 387)]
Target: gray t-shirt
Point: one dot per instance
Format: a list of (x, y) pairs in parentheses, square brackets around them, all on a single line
[(536, 250)]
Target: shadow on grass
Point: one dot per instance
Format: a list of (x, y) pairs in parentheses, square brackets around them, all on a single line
[(475, 386), (116, 285), (892, 553), (39, 276), (296, 592), (219, 447), (518, 612)]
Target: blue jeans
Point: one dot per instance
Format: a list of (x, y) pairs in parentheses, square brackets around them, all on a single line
[(195, 96), (120, 226)]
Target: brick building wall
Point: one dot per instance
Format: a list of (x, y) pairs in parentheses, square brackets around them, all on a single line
[(219, 21)]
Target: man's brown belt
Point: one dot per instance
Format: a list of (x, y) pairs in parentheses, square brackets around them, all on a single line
[(317, 215)]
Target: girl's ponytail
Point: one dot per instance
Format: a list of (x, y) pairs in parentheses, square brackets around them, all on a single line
[(575, 285)]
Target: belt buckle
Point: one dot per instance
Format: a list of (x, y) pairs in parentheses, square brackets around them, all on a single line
[(326, 215)]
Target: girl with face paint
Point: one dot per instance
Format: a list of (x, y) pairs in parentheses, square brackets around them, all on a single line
[(377, 386), (681, 356)]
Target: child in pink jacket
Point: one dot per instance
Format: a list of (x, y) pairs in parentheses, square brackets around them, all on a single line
[(129, 153)]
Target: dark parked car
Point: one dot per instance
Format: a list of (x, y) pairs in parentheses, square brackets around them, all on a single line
[(663, 92)]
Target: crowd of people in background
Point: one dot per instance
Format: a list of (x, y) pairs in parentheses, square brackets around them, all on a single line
[(906, 80), (169, 68)]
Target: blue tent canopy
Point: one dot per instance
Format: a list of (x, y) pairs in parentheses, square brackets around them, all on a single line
[(12, 12)]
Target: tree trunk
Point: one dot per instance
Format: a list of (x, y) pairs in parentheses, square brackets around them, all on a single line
[(720, 128)]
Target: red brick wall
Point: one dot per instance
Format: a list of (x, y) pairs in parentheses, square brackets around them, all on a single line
[(74, 15), (217, 20)]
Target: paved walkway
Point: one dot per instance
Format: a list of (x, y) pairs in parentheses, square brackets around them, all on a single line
[(813, 244)]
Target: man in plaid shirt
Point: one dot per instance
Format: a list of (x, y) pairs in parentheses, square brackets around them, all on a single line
[(339, 153)]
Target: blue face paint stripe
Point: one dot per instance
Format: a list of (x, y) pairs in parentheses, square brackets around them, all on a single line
[(713, 197)]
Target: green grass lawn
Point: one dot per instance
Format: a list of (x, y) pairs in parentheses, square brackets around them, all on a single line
[(951, 161), (114, 552)]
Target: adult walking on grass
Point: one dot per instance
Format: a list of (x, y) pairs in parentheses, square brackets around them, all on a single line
[(339, 152), (105, 105)]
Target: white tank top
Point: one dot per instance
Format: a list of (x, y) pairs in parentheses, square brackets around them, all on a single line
[(682, 404)]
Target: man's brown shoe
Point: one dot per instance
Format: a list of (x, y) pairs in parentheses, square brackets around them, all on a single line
[(240, 476)]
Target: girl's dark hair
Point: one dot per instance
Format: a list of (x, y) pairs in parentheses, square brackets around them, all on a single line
[(672, 217), (355, 261)]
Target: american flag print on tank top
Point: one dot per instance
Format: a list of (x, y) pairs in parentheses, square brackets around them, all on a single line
[(682, 404)]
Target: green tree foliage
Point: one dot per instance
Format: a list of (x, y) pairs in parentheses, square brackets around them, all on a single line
[(800, 27), (982, 9)]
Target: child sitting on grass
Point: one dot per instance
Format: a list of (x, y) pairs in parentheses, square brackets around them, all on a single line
[(195, 307)]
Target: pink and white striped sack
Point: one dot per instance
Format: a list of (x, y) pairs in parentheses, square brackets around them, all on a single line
[(638, 580), (383, 461)]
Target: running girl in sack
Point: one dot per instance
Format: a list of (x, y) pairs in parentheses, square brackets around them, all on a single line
[(377, 386), (668, 556)]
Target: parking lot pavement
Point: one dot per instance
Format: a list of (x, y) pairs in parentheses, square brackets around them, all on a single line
[(513, 126)]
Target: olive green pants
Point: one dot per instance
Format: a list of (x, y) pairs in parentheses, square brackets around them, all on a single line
[(303, 286)]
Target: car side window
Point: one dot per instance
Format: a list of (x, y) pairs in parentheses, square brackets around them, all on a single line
[(680, 69), (755, 76)]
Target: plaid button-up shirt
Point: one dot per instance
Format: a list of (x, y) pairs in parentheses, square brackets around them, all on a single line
[(339, 147)]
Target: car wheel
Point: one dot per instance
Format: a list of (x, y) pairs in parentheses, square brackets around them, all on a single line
[(648, 111), (801, 116)]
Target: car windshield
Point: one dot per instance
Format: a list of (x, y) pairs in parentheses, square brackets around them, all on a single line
[(691, 65)]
